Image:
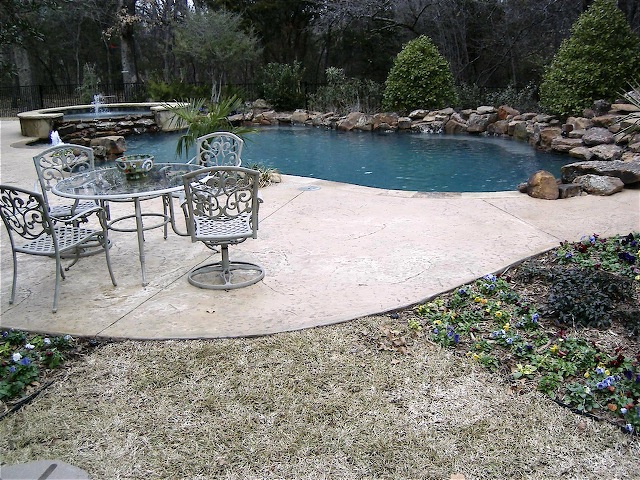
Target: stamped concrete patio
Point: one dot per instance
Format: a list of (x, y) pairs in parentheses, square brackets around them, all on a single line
[(332, 252)]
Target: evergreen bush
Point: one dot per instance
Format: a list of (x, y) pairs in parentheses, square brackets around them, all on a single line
[(596, 62), (419, 78), (90, 83)]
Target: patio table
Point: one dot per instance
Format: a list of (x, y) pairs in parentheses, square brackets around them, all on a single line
[(111, 184)]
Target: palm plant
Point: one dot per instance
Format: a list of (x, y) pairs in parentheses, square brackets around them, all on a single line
[(632, 120), (200, 118)]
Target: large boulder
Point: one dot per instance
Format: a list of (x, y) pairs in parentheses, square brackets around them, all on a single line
[(547, 135), (349, 122), (404, 123), (606, 152), (582, 153), (478, 122), (624, 108), (599, 184), (485, 109), (501, 127), (628, 172), (597, 136), (505, 112), (268, 117), (385, 120), (518, 129), (112, 145), (564, 145), (580, 123), (365, 123), (542, 184), (300, 116), (454, 126)]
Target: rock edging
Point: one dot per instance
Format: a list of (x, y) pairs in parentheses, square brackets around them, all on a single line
[(596, 139)]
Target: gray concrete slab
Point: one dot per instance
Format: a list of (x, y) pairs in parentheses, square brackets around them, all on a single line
[(41, 470), (332, 253)]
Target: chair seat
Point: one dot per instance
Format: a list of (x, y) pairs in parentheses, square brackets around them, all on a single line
[(68, 237), (62, 211), (223, 227)]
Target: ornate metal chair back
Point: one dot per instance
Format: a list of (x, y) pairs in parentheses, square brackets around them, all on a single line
[(58, 162), (219, 149), (24, 213), (219, 200)]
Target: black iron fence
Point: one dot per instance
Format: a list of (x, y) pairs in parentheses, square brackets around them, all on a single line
[(21, 99), (14, 100)]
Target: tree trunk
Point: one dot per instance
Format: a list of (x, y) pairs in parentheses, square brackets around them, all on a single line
[(23, 66), (127, 41)]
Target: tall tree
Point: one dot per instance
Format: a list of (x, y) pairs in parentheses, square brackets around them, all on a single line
[(215, 44), (127, 20), (282, 25), (18, 33)]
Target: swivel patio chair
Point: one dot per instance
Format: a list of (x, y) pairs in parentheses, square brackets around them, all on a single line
[(56, 163), (221, 209), (215, 149), (27, 219)]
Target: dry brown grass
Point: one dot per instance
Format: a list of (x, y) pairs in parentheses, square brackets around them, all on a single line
[(314, 404)]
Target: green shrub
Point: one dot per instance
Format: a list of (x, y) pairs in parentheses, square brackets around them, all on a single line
[(419, 78), (166, 92), (588, 297), (596, 62), (90, 83), (343, 95), (280, 85), (523, 99)]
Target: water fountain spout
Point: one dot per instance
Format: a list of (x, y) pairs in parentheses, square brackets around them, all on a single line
[(97, 102)]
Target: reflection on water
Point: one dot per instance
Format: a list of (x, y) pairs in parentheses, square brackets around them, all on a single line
[(397, 161)]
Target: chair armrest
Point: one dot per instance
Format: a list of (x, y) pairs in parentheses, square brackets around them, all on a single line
[(79, 216)]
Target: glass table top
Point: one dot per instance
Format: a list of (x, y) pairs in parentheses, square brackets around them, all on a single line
[(112, 183)]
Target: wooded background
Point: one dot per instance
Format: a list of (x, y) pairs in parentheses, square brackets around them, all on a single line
[(488, 43)]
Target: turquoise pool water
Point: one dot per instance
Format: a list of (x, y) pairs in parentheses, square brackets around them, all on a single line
[(397, 161)]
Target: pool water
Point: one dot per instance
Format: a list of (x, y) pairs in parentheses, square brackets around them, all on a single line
[(396, 161)]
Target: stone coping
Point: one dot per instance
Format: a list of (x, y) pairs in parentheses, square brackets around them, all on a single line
[(56, 112), (40, 123)]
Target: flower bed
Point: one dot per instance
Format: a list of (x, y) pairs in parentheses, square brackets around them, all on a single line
[(566, 323)]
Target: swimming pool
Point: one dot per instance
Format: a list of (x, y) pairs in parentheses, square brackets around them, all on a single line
[(396, 161)]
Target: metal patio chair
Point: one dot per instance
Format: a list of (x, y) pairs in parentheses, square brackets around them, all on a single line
[(215, 149), (221, 209), (33, 231), (218, 149), (56, 163)]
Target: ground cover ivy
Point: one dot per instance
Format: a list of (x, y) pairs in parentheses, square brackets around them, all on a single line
[(546, 336)]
